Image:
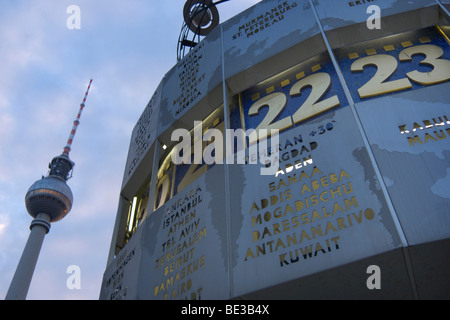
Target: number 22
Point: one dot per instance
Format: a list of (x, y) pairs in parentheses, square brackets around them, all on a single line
[(320, 83)]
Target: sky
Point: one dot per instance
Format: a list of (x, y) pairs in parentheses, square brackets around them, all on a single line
[(126, 47)]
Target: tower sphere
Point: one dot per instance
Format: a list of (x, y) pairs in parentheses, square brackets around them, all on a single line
[(49, 195)]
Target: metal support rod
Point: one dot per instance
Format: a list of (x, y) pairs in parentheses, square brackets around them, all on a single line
[(20, 283), (361, 129), (444, 10), (226, 115), (368, 147), (154, 178)]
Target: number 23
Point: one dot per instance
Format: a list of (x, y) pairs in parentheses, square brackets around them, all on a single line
[(387, 65)]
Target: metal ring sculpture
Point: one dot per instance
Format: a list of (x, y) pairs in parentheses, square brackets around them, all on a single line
[(200, 18)]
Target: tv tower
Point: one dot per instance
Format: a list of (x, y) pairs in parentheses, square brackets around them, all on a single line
[(48, 200)]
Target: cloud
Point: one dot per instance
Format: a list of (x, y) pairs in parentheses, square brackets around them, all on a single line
[(7, 125), (4, 223)]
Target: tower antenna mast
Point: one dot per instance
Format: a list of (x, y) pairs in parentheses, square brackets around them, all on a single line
[(68, 146)]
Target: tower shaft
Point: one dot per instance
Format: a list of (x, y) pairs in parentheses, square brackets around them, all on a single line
[(21, 281)]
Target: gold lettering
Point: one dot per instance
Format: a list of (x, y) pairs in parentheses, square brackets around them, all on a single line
[(254, 205), (329, 227), (428, 137), (416, 139)]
